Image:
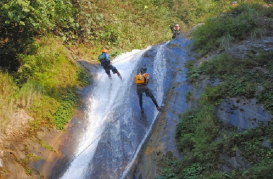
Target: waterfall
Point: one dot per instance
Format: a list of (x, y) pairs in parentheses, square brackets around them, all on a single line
[(158, 73), (116, 130)]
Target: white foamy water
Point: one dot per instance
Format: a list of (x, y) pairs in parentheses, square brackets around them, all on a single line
[(160, 72), (101, 103)]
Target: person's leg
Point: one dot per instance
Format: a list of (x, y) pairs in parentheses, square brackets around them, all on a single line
[(140, 90), (107, 70), (115, 71), (140, 102), (150, 94)]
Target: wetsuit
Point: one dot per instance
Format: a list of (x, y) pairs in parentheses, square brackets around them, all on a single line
[(141, 89), (107, 66), (175, 32)]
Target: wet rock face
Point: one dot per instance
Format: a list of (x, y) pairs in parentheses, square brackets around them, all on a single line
[(242, 113), (161, 146), (233, 162), (250, 48), (239, 112)]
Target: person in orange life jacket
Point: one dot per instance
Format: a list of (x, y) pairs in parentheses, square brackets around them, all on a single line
[(106, 64), (175, 31), (142, 80)]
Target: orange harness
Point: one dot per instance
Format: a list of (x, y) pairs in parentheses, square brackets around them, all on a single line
[(140, 79)]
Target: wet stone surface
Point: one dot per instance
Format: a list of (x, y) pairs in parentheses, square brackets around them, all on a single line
[(161, 145)]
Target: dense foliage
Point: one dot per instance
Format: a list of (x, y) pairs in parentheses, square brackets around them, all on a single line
[(22, 20), (238, 24), (44, 85)]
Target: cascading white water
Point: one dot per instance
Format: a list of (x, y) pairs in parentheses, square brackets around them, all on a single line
[(108, 96), (159, 72), (101, 102)]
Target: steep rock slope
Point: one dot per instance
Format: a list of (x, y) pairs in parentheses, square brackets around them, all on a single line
[(239, 112)]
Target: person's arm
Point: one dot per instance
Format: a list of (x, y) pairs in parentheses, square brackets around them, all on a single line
[(146, 83), (146, 75), (108, 58), (171, 27)]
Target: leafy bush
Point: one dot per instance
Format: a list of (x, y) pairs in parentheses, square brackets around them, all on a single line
[(45, 85), (42, 110), (83, 77), (195, 134), (193, 171), (260, 170), (65, 111), (21, 20), (167, 174), (238, 24), (50, 66)]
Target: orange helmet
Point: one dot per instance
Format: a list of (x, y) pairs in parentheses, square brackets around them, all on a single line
[(105, 51)]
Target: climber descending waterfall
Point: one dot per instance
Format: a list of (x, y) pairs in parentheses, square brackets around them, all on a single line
[(116, 130), (142, 80), (105, 62), (159, 71)]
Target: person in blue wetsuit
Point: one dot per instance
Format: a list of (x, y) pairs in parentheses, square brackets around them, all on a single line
[(106, 64)]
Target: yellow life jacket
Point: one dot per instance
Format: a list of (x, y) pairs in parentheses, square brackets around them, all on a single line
[(139, 79)]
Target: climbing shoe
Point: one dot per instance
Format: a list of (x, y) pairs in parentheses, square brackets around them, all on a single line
[(142, 110), (158, 108)]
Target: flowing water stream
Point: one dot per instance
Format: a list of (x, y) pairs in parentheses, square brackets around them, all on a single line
[(116, 129)]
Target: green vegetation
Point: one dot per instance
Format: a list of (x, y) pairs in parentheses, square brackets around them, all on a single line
[(44, 85), (240, 77), (45, 145), (22, 20), (29, 157), (238, 24), (202, 139)]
